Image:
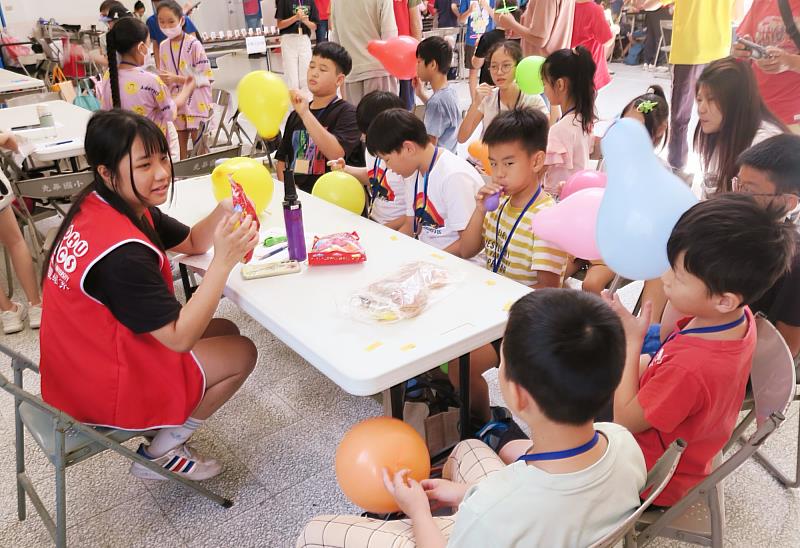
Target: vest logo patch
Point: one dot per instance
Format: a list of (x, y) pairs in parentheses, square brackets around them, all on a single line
[(65, 259)]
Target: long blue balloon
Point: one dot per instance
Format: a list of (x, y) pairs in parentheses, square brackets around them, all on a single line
[(642, 203)]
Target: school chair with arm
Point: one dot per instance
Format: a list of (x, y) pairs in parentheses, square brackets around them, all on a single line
[(699, 516), (657, 480), (66, 442)]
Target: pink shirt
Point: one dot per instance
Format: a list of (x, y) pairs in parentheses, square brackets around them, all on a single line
[(141, 92), (187, 57), (568, 150), (551, 22)]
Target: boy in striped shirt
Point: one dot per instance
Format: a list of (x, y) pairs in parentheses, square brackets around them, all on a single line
[(517, 142)]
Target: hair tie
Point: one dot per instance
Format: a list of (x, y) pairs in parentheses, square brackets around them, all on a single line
[(646, 107)]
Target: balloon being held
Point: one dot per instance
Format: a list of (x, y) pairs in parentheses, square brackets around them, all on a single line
[(398, 55), (341, 189), (571, 223), (251, 174), (643, 201), (264, 100), (372, 446)]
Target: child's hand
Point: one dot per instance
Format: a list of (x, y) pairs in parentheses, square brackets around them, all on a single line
[(483, 91), (489, 189), (444, 493), (337, 164), (299, 102), (9, 141), (190, 82), (408, 494), (635, 327), (740, 51)]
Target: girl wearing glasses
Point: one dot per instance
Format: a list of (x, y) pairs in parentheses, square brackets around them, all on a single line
[(490, 101)]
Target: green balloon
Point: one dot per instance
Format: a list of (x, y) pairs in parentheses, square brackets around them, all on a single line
[(529, 75)]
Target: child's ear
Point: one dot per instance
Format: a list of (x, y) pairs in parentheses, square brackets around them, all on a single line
[(791, 202), (728, 302), (538, 161), (340, 76)]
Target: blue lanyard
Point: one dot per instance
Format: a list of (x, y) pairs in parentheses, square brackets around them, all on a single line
[(375, 182), (709, 329), (320, 115), (565, 454), (565, 114), (420, 211), (498, 259), (516, 103)]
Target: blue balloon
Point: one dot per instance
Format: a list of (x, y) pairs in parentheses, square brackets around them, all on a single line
[(642, 203)]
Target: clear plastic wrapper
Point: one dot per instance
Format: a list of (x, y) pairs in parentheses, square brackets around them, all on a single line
[(403, 295)]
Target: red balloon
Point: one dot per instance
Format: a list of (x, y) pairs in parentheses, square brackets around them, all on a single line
[(397, 55)]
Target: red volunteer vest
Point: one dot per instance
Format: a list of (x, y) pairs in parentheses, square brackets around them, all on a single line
[(92, 366), (401, 16)]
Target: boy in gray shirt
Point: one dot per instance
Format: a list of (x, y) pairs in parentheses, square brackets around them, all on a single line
[(442, 116)]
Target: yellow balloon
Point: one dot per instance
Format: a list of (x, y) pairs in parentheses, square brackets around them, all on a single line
[(342, 189), (264, 100), (251, 174)]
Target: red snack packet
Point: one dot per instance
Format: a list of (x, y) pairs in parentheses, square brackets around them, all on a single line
[(242, 203)]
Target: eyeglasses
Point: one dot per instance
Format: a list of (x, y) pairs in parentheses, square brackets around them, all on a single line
[(746, 188), (505, 67)]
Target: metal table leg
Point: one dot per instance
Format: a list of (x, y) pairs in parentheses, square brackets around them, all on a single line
[(463, 382), (397, 395), (188, 289)]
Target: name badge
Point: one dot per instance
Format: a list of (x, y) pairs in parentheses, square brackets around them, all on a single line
[(301, 165)]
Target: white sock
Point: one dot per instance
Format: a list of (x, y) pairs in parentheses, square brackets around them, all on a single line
[(170, 438)]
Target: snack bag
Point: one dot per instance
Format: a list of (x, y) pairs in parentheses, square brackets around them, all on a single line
[(340, 248), (243, 204)]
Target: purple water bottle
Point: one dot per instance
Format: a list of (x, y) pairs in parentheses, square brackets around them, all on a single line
[(293, 218)]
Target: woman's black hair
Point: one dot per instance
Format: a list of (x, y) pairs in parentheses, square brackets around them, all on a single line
[(654, 108), (577, 66), (139, 5), (127, 33), (172, 6), (109, 138), (511, 48), (733, 88)]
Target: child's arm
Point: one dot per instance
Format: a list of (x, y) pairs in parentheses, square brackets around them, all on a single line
[(360, 173), (306, 20), (279, 167), (327, 143), (413, 501), (419, 89), (472, 236), (546, 279), (463, 16), (396, 224), (407, 227), (627, 410), (474, 114), (8, 141), (186, 91)]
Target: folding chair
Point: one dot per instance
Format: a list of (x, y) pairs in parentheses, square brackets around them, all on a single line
[(699, 517), (222, 98), (204, 164), (657, 480), (66, 442)]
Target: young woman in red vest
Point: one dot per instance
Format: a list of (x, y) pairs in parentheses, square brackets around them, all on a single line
[(117, 348)]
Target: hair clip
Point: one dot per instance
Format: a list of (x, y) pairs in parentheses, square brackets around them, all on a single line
[(646, 107)]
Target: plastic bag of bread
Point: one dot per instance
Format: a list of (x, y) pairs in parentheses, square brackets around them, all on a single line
[(403, 295)]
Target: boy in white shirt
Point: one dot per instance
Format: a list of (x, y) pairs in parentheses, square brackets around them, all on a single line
[(440, 186), (563, 355)]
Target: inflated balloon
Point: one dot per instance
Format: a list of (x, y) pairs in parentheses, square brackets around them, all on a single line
[(398, 55), (368, 448), (642, 203), (492, 202), (580, 180), (480, 151), (251, 174), (342, 189), (529, 75), (571, 224), (264, 100)]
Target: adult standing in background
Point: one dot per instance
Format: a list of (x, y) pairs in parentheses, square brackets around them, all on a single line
[(409, 23), (701, 33), (479, 21), (655, 12), (447, 13), (778, 75), (546, 26), (353, 24), (323, 12), (252, 13)]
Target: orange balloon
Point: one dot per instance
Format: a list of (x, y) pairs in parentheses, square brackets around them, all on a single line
[(480, 152), (368, 448)]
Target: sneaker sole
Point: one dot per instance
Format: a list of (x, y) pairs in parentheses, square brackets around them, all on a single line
[(141, 472), (13, 330)]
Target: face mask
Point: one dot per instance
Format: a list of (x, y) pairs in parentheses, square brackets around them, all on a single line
[(172, 32)]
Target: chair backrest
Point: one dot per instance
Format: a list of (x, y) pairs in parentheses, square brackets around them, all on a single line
[(203, 165), (657, 480), (773, 373), (54, 187), (33, 98)]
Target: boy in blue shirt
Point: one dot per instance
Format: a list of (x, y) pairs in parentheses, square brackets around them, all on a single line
[(442, 116)]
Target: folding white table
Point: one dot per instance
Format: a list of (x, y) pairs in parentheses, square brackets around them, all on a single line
[(304, 310), (13, 84), (66, 139)]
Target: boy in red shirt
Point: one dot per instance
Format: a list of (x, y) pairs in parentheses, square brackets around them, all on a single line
[(724, 254)]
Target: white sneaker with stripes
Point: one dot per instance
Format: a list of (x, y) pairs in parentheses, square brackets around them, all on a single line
[(182, 460)]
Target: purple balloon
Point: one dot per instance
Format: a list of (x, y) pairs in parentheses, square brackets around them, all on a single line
[(492, 202)]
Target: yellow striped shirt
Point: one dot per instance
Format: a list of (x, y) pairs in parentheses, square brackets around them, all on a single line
[(526, 254)]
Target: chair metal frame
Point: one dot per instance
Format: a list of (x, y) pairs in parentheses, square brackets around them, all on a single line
[(773, 380), (63, 426), (657, 479)]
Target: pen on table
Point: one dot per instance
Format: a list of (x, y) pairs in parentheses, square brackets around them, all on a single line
[(269, 254), (59, 143)]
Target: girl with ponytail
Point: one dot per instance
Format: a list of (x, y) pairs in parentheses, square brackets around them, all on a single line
[(568, 77), (127, 85)]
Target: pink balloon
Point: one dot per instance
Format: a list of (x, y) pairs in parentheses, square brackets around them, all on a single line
[(571, 224), (397, 55), (583, 179)]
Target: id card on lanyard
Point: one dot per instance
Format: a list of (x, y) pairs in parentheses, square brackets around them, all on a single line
[(419, 212), (302, 165)]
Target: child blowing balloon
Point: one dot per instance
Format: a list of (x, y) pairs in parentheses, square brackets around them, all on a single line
[(182, 57)]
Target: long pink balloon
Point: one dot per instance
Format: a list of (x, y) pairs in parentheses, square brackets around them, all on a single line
[(397, 55), (584, 179), (571, 223)]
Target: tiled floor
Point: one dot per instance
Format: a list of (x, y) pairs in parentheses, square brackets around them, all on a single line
[(277, 439)]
